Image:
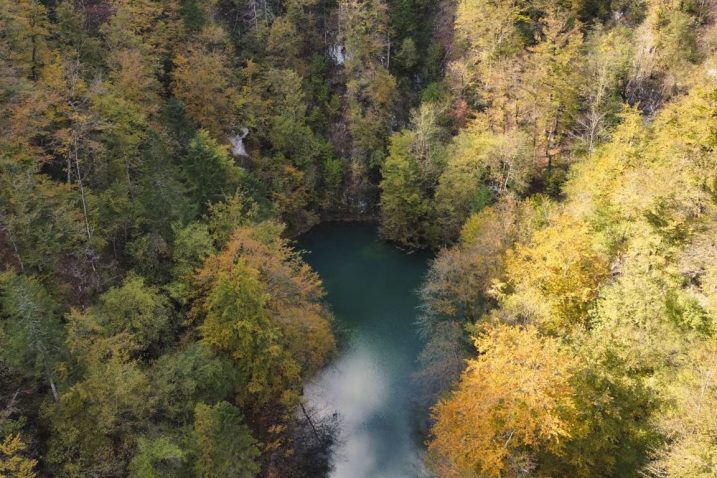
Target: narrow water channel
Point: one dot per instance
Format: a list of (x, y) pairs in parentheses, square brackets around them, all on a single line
[(371, 287)]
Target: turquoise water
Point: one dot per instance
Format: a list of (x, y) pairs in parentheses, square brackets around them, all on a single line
[(371, 288)]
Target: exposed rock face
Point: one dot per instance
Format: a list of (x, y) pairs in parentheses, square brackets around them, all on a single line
[(237, 142), (338, 54)]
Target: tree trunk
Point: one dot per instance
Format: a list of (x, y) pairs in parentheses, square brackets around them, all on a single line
[(308, 418)]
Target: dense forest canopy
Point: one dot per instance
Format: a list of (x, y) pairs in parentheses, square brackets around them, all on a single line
[(158, 156)]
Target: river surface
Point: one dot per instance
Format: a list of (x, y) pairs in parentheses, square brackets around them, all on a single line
[(371, 287)]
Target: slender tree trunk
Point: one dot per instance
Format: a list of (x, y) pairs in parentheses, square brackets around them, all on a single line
[(15, 248), (256, 18), (48, 374), (33, 70), (129, 180), (79, 182), (388, 52), (33, 73), (17, 254), (308, 418), (549, 139)]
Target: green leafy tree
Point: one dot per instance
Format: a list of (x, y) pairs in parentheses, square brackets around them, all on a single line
[(259, 304), (550, 283), (192, 244), (100, 418), (222, 444), (202, 81), (34, 208), (237, 322), (209, 170), (156, 458), (370, 88), (31, 332), (406, 210), (27, 28), (189, 375), (136, 309), (410, 175)]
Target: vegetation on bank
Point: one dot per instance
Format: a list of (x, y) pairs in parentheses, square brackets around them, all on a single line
[(571, 323)]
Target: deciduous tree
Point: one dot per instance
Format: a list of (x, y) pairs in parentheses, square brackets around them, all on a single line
[(515, 398)]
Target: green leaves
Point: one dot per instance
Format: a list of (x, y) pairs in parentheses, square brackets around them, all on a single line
[(259, 305), (136, 309), (237, 322), (209, 170), (156, 458), (31, 332), (222, 444)]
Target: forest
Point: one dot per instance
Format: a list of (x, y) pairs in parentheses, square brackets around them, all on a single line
[(159, 158)]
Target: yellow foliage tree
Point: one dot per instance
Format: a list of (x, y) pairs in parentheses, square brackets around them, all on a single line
[(12, 462), (554, 280), (201, 79), (261, 305), (691, 423), (514, 398)]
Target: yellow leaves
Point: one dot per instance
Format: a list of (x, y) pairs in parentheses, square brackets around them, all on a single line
[(697, 265), (517, 393), (140, 16), (594, 181), (531, 88), (237, 322), (644, 201), (12, 462), (364, 26), (261, 305), (24, 26), (559, 269), (381, 90), (200, 80), (149, 25), (690, 422), (488, 28), (87, 341), (135, 78), (291, 195), (283, 40), (370, 87)]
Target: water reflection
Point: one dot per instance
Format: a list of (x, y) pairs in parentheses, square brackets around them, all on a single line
[(371, 288), (375, 438)]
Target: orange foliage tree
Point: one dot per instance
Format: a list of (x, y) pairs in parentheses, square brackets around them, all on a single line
[(261, 304), (515, 398)]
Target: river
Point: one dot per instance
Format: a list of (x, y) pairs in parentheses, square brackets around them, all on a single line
[(371, 288)]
